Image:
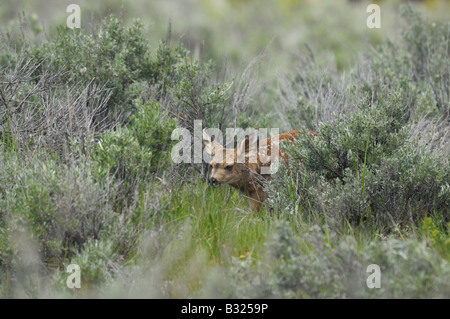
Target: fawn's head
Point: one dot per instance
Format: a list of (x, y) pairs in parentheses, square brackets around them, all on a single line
[(229, 166)]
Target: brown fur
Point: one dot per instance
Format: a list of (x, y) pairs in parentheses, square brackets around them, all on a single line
[(245, 176)]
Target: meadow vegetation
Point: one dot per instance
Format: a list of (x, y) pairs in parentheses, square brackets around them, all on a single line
[(86, 178)]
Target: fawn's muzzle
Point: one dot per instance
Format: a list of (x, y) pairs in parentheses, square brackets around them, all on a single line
[(213, 181)]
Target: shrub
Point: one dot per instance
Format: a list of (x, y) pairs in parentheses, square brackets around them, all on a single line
[(114, 56), (195, 97), (358, 171), (133, 153), (290, 270), (62, 207), (428, 48), (371, 162), (54, 214)]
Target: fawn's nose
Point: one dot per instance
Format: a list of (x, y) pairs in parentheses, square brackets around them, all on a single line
[(213, 181)]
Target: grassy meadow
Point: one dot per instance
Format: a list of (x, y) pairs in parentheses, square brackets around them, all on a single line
[(86, 122)]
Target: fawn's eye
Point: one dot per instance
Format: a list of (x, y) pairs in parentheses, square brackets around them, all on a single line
[(229, 167)]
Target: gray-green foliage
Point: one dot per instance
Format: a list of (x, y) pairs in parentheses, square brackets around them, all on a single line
[(428, 47), (53, 213), (48, 211), (116, 56), (371, 165), (319, 265), (61, 205), (196, 97), (92, 200), (136, 151)]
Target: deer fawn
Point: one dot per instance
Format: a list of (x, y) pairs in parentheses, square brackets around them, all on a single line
[(244, 167)]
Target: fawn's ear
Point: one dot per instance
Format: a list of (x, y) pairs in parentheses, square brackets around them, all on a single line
[(248, 147), (211, 145)]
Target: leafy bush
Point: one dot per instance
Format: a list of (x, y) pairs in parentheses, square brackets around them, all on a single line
[(133, 153), (359, 171), (369, 163), (427, 47), (62, 207), (54, 214), (293, 264), (195, 98), (77, 84), (114, 56)]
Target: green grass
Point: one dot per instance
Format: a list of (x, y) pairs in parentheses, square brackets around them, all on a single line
[(214, 231), (206, 228), (219, 221)]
